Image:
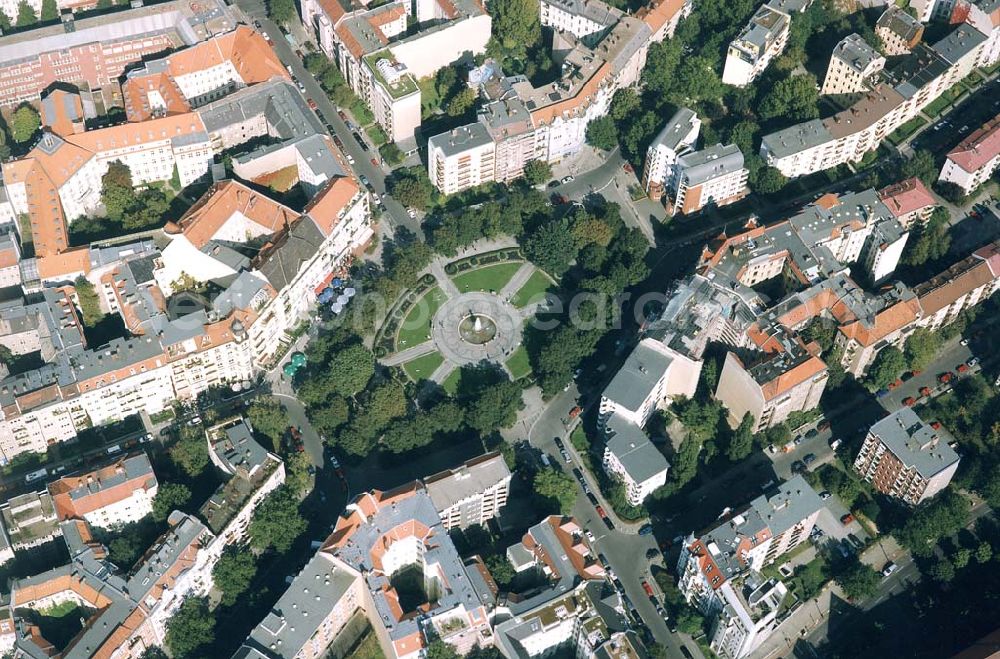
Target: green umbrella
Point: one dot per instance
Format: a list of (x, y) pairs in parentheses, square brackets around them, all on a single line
[(299, 359), (290, 369)]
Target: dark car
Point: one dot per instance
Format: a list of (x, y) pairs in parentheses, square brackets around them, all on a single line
[(608, 523), (686, 653), (652, 553), (812, 433), (645, 529), (578, 474), (799, 467), (809, 458), (559, 443), (592, 498), (603, 559)]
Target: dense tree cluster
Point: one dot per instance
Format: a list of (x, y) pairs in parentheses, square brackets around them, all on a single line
[(557, 488), (277, 522), (169, 497), (133, 211), (233, 573), (190, 451), (269, 418), (932, 240), (190, 629)]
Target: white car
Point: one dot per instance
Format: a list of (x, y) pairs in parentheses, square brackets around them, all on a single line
[(412, 213), (889, 568), (590, 535), (350, 158)]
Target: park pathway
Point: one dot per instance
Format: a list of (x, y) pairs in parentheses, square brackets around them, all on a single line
[(519, 279), (419, 350), (443, 280)]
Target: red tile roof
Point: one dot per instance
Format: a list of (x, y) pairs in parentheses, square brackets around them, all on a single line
[(979, 148), (907, 197)]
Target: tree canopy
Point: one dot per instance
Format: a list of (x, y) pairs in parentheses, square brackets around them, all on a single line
[(190, 629), (859, 581), (190, 452), (921, 347), (281, 11), (558, 488), (25, 15), (169, 497), (25, 122), (269, 418), (887, 367), (277, 522), (537, 171), (233, 573)]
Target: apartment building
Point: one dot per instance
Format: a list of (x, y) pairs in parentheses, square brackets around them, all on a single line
[(471, 494), (907, 459), (382, 62), (581, 18), (29, 520), (60, 179), (909, 201), (983, 15), (898, 31), (645, 382), (745, 541), (962, 286), (883, 249), (251, 473), (93, 52), (462, 158), (784, 377), (379, 535), (226, 340), (195, 76), (912, 84), (112, 496), (747, 617), (583, 622), (560, 554), (760, 41), (550, 122), (631, 458), (127, 614), (678, 137), (852, 67), (973, 161), (714, 176)]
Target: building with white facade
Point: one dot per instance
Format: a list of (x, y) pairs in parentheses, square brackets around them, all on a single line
[(462, 158), (852, 67), (127, 613), (93, 52), (746, 540), (907, 459), (29, 520), (973, 161), (631, 458), (473, 493), (747, 617), (913, 83), (761, 40), (943, 297), (251, 474), (714, 176), (112, 496), (379, 535), (898, 31), (549, 122), (910, 202), (678, 136)]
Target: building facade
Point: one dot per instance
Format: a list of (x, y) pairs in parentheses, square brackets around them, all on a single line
[(473, 493), (905, 458), (973, 161), (852, 66)]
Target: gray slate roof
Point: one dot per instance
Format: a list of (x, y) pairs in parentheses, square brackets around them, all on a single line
[(633, 449), (637, 377)]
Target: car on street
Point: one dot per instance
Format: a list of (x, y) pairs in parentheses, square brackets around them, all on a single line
[(590, 535), (342, 115), (566, 179), (889, 568), (628, 168), (646, 529), (925, 391), (603, 559), (652, 553), (799, 467), (350, 158), (592, 498), (375, 163), (824, 495), (559, 443), (909, 401), (687, 653), (847, 519), (578, 475), (600, 510), (312, 104), (646, 587), (608, 523), (565, 455), (809, 458)]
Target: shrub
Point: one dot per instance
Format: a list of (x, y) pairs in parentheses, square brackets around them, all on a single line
[(380, 352), (450, 269), (473, 260), (428, 279)]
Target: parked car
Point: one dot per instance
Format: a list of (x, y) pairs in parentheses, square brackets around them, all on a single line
[(812, 433), (35, 475), (824, 495), (945, 378), (824, 425), (799, 467), (646, 529), (312, 104), (600, 510), (590, 535), (925, 391), (909, 401), (646, 587), (652, 553), (809, 458), (628, 168), (972, 362), (834, 444), (889, 568), (847, 519), (567, 179), (962, 368)]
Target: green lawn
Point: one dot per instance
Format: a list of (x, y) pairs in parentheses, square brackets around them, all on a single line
[(367, 648), (450, 383), (490, 278), (518, 364), (907, 129), (423, 367), (532, 290), (416, 327)]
